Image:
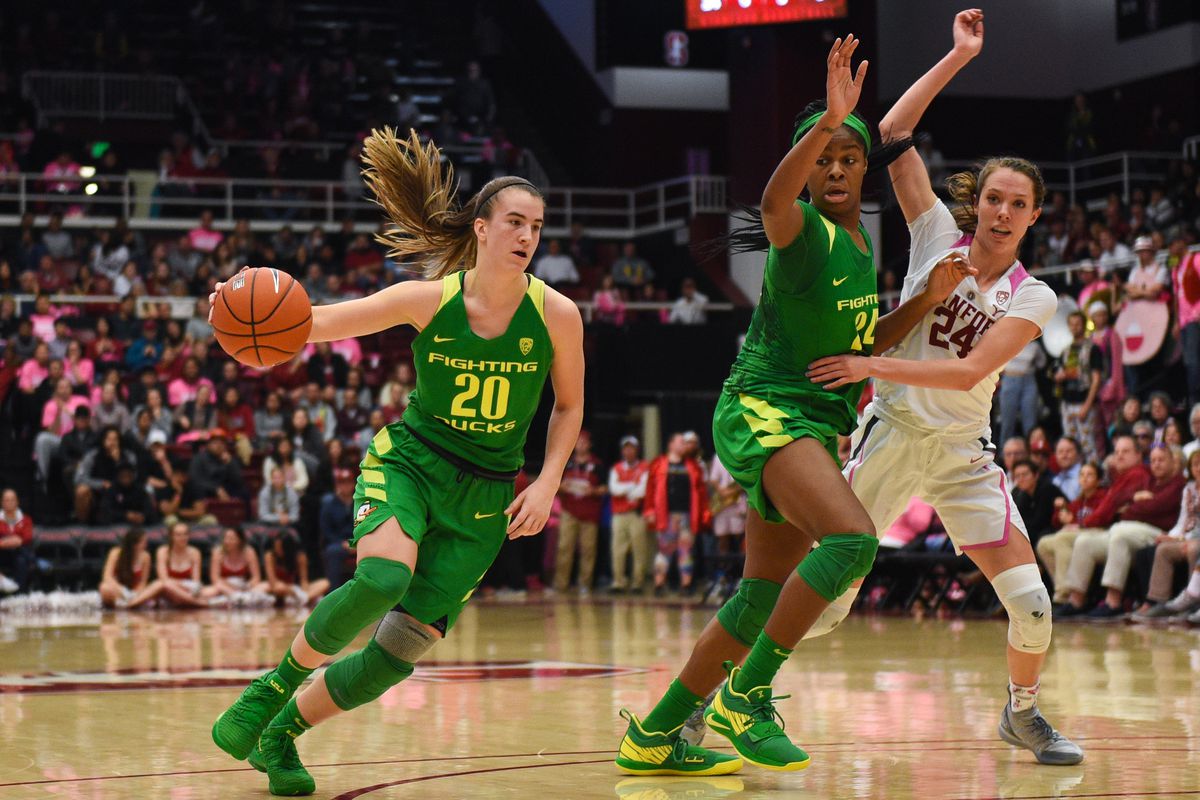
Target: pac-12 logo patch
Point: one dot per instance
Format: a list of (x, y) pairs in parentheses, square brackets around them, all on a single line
[(1001, 298), (364, 511), (526, 345)]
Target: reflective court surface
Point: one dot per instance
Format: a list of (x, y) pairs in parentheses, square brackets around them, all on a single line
[(522, 701)]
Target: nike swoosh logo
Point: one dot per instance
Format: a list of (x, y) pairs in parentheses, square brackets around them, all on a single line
[(440, 339), (973, 460), (781, 654), (485, 516), (840, 281)]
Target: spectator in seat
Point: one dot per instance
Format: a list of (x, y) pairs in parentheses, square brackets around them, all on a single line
[(556, 267), (1186, 283), (608, 305), (269, 421), (326, 367), (1194, 426), (1137, 496), (631, 270), (233, 567), (75, 444), (80, 370), (146, 350), (627, 487), (125, 501), (1160, 414), (676, 508), (1035, 499), (1148, 280), (197, 415), (1181, 544), (352, 417), (1066, 456), (1143, 436), (16, 543), (1015, 449), (375, 422), (287, 571), (1112, 387), (690, 308), (278, 503), (308, 441), (58, 418), (283, 457), (394, 394), (159, 415), (320, 412), (236, 418), (337, 526), (55, 239), (582, 494), (98, 471), (183, 259), (1078, 374), (164, 481), (475, 100), (203, 238), (580, 246), (214, 474), (184, 388)]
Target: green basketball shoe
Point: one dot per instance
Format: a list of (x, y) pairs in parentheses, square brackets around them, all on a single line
[(645, 752), (749, 722), (237, 730), (276, 755)]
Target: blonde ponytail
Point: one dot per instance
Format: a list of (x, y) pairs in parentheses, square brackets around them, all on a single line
[(419, 197)]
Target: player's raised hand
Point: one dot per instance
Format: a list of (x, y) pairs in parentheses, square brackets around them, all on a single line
[(843, 87), (948, 274), (968, 32)]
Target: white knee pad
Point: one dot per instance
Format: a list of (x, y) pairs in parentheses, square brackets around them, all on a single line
[(833, 615), (403, 637), (1025, 599)]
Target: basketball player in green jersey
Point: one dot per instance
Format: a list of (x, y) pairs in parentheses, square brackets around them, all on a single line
[(776, 433), (434, 497)]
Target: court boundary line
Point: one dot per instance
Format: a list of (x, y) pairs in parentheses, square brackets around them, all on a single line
[(914, 744)]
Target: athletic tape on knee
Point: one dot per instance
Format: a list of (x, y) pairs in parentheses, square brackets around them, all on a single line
[(363, 676), (377, 585), (402, 637), (745, 614), (1024, 596), (839, 560), (833, 615)]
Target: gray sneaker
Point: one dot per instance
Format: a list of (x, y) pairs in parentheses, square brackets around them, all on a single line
[(1029, 729), (1182, 603), (695, 728), (1158, 611), (1194, 618)]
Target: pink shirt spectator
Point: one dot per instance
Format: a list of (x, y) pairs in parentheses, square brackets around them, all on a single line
[(81, 373), (205, 239), (180, 391), (30, 375), (59, 420), (609, 307), (56, 174), (915, 520), (43, 325), (1187, 289)]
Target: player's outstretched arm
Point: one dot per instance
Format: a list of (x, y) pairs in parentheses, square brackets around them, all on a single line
[(409, 303), (782, 220), (531, 508), (908, 173), (1001, 344)]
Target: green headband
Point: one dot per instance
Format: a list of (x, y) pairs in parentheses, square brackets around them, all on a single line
[(854, 122)]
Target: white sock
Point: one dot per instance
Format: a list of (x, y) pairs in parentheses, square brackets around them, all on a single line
[(1022, 698), (1193, 587)]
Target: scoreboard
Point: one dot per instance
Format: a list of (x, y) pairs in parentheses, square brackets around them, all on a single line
[(703, 14)]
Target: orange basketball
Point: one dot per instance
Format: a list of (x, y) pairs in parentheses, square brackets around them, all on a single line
[(262, 317)]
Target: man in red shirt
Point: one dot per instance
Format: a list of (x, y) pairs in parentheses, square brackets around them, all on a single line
[(1152, 512), (676, 508), (627, 485), (16, 543), (582, 493)]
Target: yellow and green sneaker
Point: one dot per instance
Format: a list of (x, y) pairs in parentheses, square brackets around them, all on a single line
[(749, 722), (237, 730), (276, 755), (645, 752)]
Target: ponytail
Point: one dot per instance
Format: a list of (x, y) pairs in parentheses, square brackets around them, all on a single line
[(419, 197)]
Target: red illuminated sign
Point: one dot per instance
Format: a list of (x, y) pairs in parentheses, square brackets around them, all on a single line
[(729, 13)]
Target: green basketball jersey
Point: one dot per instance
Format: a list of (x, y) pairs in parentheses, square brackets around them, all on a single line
[(819, 298), (475, 397)]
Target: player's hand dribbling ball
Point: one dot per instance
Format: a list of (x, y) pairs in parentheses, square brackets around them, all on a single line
[(261, 316)]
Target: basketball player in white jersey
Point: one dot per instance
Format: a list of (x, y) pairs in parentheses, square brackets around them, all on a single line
[(927, 432)]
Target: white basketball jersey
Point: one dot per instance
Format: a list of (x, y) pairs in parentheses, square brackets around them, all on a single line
[(954, 327)]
